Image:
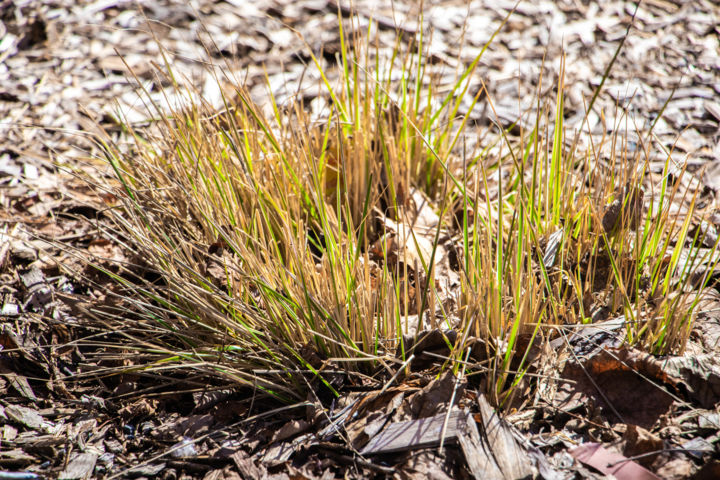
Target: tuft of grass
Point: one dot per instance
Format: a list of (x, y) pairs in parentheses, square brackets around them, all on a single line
[(278, 250)]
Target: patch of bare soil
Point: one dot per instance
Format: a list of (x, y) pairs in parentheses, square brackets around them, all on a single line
[(69, 70)]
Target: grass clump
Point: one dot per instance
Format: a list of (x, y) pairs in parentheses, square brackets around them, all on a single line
[(280, 249)]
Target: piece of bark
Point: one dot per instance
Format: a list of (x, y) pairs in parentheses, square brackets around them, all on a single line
[(16, 458), (25, 416), (82, 466), (38, 292), (494, 454), (246, 466), (421, 433)]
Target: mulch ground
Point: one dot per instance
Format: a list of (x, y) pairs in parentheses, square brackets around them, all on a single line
[(69, 70)]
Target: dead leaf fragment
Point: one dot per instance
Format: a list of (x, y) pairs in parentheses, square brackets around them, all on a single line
[(625, 211), (290, 429), (611, 463)]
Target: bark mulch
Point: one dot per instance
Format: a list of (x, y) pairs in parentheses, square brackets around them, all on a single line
[(70, 70)]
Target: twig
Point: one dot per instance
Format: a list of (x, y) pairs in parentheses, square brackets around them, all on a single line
[(452, 401)]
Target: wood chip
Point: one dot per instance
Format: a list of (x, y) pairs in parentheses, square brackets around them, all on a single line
[(80, 467), (25, 416), (493, 455), (425, 432)]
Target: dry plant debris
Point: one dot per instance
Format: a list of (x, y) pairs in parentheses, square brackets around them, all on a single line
[(73, 406)]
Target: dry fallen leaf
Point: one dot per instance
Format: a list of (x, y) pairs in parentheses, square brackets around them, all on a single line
[(625, 211), (611, 463)]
